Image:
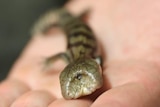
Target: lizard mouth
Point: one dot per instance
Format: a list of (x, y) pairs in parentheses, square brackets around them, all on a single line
[(82, 84)]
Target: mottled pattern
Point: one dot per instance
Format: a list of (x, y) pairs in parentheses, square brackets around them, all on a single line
[(80, 78), (83, 74)]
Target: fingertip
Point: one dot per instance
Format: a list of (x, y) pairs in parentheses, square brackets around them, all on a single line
[(78, 6), (10, 90), (71, 103), (127, 95), (34, 99)]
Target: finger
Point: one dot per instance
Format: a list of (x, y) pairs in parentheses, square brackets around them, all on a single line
[(71, 103), (39, 48), (11, 90), (32, 60), (78, 6), (133, 84), (128, 95), (34, 99)]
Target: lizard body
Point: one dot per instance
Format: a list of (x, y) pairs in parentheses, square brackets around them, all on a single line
[(83, 75)]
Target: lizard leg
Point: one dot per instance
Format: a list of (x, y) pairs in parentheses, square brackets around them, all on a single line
[(49, 61), (46, 22)]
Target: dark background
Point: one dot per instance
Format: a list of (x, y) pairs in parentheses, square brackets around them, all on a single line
[(16, 19)]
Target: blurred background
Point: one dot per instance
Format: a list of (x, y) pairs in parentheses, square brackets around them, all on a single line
[(16, 19)]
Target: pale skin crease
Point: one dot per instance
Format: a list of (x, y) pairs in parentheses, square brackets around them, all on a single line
[(129, 31)]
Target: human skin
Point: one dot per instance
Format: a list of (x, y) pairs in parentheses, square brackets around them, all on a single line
[(128, 31)]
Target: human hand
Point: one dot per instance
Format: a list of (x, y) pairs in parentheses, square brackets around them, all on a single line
[(129, 36)]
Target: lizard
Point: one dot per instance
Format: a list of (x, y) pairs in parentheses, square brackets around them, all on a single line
[(83, 74)]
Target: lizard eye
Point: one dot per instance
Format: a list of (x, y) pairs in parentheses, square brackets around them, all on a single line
[(79, 76)]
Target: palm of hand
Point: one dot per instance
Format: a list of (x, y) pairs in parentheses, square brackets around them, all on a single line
[(131, 72)]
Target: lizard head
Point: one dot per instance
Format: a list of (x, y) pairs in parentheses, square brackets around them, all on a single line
[(80, 78)]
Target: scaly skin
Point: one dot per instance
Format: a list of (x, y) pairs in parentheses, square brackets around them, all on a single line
[(83, 75), (80, 78)]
